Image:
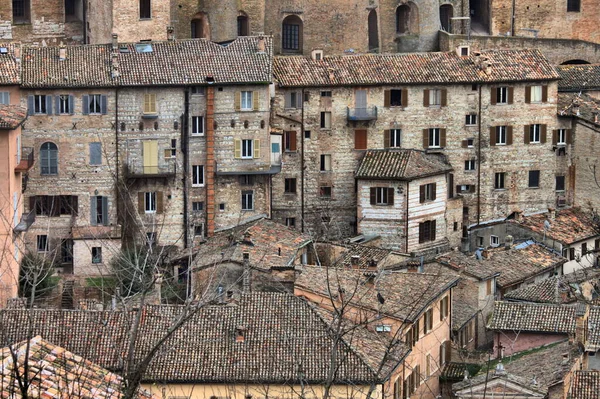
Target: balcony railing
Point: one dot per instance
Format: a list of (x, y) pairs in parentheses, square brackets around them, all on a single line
[(136, 170), (362, 114), (26, 222), (26, 160)]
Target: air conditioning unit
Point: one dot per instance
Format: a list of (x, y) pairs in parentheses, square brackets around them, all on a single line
[(561, 201)]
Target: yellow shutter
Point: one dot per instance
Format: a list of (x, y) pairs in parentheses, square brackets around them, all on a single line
[(238, 100), (255, 99), (149, 103), (150, 157), (256, 148), (237, 151)]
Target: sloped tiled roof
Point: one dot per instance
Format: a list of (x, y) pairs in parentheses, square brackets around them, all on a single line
[(268, 243), (9, 67), (11, 116), (579, 77), (579, 105), (413, 68), (561, 289), (401, 164), (593, 341), (170, 63), (406, 295), (568, 226), (367, 256), (585, 384), (533, 317), (283, 336), (514, 265), (54, 372)]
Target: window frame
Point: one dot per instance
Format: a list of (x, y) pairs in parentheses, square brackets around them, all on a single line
[(325, 192), (535, 131), (97, 257), (398, 93), (532, 176), (494, 241), (556, 183), (395, 138), (435, 98), (150, 202), (197, 125), (145, 10), (382, 197), (502, 95), (290, 222), (501, 135), (561, 137), (42, 242), (573, 6), (197, 206), (50, 169), (198, 176), (537, 89), (65, 103), (470, 165), (247, 200), (246, 100), (435, 132), (500, 181), (325, 163), (471, 119), (40, 104), (325, 120), (95, 100), (290, 185), (247, 148)]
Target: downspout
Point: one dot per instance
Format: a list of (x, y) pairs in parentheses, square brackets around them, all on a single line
[(302, 164), (210, 161), (117, 165), (406, 229), (85, 19), (479, 160), (184, 150), (512, 18)]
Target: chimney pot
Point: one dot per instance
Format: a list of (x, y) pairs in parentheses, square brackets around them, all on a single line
[(115, 42), (62, 53), (17, 52)]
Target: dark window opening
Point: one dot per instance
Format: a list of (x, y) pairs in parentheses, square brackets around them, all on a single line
[(573, 5), (291, 34), (145, 9), (20, 11), (243, 28), (534, 178), (396, 98), (402, 19)]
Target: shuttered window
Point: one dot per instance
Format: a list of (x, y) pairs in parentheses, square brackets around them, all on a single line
[(289, 141), (427, 231), (99, 211), (49, 159), (95, 153), (149, 103), (382, 196), (360, 139)]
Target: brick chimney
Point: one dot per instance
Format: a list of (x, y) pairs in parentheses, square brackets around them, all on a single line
[(260, 45), (170, 33), (115, 42), (62, 53), (17, 52)]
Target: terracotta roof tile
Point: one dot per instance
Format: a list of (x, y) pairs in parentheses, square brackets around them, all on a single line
[(413, 68), (9, 68), (579, 105), (579, 77), (569, 225), (533, 317), (401, 165), (585, 384), (367, 256), (11, 116), (593, 341)]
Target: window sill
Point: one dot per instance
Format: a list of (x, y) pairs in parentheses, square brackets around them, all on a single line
[(246, 109), (149, 116), (197, 185), (196, 134), (289, 194), (247, 210), (150, 212), (499, 189), (146, 19), (471, 125), (500, 144), (382, 205)]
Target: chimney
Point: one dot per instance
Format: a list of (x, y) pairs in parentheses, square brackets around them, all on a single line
[(260, 45), (115, 42), (354, 260), (246, 275), (115, 65), (17, 52), (595, 116), (170, 33), (551, 213), (508, 242), (240, 334), (62, 53)]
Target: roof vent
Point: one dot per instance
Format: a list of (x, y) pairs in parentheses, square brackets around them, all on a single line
[(354, 260), (124, 49), (62, 53), (500, 369), (316, 55), (143, 47), (3, 50), (210, 79)]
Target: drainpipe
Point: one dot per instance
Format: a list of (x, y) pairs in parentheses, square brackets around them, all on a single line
[(117, 165), (479, 159), (186, 158), (512, 18), (302, 165), (210, 161), (406, 229), (85, 19)]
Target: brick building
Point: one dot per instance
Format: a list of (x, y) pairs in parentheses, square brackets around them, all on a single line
[(490, 114)]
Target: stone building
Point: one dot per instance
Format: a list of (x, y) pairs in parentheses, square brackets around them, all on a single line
[(491, 122)]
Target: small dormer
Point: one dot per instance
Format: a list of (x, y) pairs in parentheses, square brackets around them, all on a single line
[(316, 55), (463, 51)]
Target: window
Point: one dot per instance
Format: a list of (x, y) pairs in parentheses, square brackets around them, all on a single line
[(395, 98), (465, 188), (480, 242), (428, 366), (307, 134), (427, 192), (95, 153), (246, 180), (326, 94), (325, 191), (534, 178), (40, 104), (292, 100), (573, 5), (4, 97), (66, 251), (199, 230), (96, 254), (243, 25), (583, 248), (49, 205), (382, 195), (42, 243), (383, 328), (561, 137), (198, 125), (99, 210), (290, 186), (444, 352), (325, 163), (64, 104), (289, 141), (500, 138), (360, 139), (412, 335), (290, 222), (198, 90), (470, 165), (427, 231), (247, 149), (392, 138), (291, 34), (471, 119), (501, 95), (49, 159), (534, 133), (197, 206), (494, 241), (470, 143), (325, 120), (434, 138), (535, 94), (247, 200), (428, 321), (145, 9), (95, 104), (560, 183), (222, 206), (246, 103), (150, 104), (172, 152), (444, 307), (197, 175), (20, 11), (489, 287), (150, 202), (435, 97), (499, 181)]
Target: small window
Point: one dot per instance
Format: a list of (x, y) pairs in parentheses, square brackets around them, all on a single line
[(4, 97), (290, 186), (222, 206), (246, 103), (434, 138), (292, 100), (290, 222), (197, 125), (150, 202), (325, 191), (480, 241), (149, 104), (384, 196), (325, 120), (65, 104), (145, 9), (502, 95), (427, 192), (49, 159), (198, 90), (395, 98), (535, 94), (470, 143), (242, 25), (247, 200), (95, 104), (534, 133), (197, 206), (326, 94), (500, 135), (560, 183), (325, 163), (42, 243), (20, 11), (561, 137), (197, 175), (99, 210), (465, 188), (289, 141), (395, 138), (499, 181), (291, 34), (471, 119), (66, 251), (95, 153), (455, 226), (383, 328), (96, 254), (435, 97), (428, 321), (494, 241), (246, 180), (573, 5), (199, 230), (40, 104), (307, 134), (534, 178), (173, 150), (427, 231), (360, 139), (247, 152), (470, 165)]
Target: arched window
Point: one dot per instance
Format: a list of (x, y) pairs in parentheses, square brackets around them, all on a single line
[(199, 26), (243, 24), (373, 31), (291, 34), (402, 18), (446, 14), (49, 159)]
